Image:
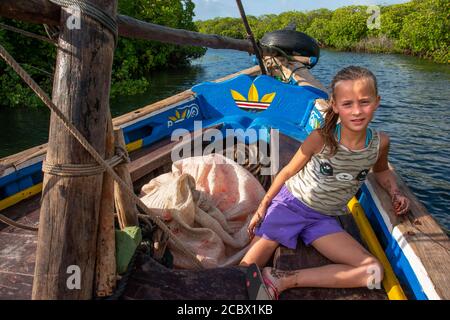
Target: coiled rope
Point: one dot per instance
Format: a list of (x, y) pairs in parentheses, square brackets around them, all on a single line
[(82, 140), (94, 12)]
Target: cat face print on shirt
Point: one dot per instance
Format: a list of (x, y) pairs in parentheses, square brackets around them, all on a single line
[(326, 169)]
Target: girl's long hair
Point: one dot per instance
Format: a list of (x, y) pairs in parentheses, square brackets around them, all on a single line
[(328, 129)]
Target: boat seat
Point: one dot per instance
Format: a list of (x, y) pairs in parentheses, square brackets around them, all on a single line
[(260, 102)]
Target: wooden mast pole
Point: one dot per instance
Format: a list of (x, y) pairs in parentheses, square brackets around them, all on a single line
[(68, 226)]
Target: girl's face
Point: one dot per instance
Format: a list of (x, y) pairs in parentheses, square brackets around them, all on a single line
[(355, 101)]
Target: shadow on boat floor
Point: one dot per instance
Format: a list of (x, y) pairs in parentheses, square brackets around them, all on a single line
[(153, 281)]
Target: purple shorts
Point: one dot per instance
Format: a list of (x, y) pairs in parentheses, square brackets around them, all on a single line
[(287, 218)]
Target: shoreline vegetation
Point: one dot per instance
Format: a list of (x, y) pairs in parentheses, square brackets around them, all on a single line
[(418, 28)]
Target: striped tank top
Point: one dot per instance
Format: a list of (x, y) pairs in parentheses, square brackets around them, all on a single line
[(326, 184)]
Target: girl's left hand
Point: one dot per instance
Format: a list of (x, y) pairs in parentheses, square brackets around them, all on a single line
[(400, 203)]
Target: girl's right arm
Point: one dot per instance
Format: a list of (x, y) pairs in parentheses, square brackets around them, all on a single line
[(312, 144)]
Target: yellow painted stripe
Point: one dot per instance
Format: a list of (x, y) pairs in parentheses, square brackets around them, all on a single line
[(135, 145), (15, 198), (390, 281)]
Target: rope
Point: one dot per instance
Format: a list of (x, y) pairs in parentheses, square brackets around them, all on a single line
[(294, 70), (27, 34), (96, 13), (74, 131), (38, 69), (13, 223), (79, 170), (52, 32)]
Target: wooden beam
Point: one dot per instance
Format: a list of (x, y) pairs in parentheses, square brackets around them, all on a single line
[(42, 11), (294, 69), (105, 265), (127, 211), (67, 238)]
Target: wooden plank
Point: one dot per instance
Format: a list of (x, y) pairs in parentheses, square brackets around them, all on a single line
[(127, 211), (124, 119), (15, 286), (150, 161), (252, 71), (295, 69), (307, 257), (423, 234), (105, 264), (23, 211), (17, 258), (20, 159), (17, 253), (156, 156)]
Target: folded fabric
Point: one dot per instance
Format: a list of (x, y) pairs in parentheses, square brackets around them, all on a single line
[(207, 202)]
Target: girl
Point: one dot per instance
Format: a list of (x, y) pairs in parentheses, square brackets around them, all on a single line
[(316, 186)]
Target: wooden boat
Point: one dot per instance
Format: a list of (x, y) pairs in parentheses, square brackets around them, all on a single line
[(416, 248)]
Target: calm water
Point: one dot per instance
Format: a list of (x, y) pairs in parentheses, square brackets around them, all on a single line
[(414, 112)]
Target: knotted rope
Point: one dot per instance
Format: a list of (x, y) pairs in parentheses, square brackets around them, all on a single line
[(82, 140)]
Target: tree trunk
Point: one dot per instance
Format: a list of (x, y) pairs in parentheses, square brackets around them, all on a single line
[(67, 239)]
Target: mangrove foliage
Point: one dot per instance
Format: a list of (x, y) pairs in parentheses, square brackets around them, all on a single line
[(133, 59)]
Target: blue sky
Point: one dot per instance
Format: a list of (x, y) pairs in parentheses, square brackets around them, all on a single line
[(208, 9)]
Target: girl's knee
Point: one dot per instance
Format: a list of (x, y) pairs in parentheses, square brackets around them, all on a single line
[(260, 252)]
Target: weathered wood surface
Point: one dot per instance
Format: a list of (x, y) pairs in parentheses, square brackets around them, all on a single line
[(18, 255), (70, 205), (126, 207), (22, 159), (308, 257), (42, 11), (105, 265), (153, 281), (150, 158), (424, 235)]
